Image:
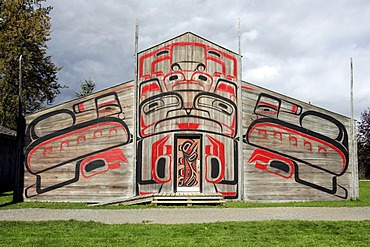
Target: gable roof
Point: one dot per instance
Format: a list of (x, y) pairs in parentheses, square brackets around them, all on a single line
[(7, 131), (189, 36)]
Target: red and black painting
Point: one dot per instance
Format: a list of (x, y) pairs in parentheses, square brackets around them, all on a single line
[(187, 87), (290, 142), (84, 140)]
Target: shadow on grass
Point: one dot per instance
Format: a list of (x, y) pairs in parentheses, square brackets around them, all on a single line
[(6, 204), (6, 199)]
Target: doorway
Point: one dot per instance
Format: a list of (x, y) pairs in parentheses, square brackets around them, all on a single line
[(188, 163)]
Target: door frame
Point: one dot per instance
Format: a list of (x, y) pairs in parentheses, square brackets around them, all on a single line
[(188, 136)]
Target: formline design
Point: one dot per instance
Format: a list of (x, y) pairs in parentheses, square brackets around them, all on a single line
[(195, 127)]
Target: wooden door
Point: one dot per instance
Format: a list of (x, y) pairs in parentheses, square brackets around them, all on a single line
[(188, 164)]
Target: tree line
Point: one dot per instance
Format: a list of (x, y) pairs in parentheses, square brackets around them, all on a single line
[(363, 145), (25, 29)]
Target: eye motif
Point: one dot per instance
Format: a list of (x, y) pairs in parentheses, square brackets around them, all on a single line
[(201, 67), (176, 67)]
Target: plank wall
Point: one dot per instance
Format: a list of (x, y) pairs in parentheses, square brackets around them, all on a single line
[(187, 133), (82, 150), (199, 129), (293, 150)]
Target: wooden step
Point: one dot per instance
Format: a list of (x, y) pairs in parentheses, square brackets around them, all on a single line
[(143, 199), (185, 198)]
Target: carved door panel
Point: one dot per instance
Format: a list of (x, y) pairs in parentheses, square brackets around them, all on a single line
[(188, 164)]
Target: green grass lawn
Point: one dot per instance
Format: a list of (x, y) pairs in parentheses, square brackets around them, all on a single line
[(265, 233), (363, 201), (6, 199)]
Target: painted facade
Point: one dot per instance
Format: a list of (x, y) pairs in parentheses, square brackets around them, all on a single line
[(187, 124), (293, 150)]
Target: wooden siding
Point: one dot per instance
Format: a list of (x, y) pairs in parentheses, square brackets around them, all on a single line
[(187, 99), (82, 150), (293, 150), (193, 128)]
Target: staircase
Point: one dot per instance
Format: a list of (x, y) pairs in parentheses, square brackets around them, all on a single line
[(179, 198)]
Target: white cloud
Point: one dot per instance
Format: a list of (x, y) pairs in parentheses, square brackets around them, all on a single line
[(299, 48), (262, 73), (250, 35)]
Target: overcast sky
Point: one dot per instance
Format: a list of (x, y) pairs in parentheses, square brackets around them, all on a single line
[(298, 48)]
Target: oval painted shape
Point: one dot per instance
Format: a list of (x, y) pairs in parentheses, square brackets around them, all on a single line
[(161, 168), (215, 168), (321, 125), (53, 123), (94, 165), (280, 166)]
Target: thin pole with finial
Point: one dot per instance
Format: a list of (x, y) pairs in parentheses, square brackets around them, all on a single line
[(353, 142)]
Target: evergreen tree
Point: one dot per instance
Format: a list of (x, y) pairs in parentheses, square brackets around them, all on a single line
[(363, 145), (24, 30), (86, 88)]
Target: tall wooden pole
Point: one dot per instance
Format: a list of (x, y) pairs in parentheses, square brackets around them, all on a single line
[(352, 114), (239, 102), (135, 113), (353, 159), (18, 171), (239, 37)]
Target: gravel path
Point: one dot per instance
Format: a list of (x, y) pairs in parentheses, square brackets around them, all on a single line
[(187, 215)]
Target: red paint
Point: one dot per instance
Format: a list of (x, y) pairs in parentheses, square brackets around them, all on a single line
[(262, 133), (223, 66), (278, 136), (74, 135), (307, 145), (218, 66), (153, 71), (294, 108), (123, 87), (113, 132), (64, 145), (188, 126), (81, 139), (159, 148), (47, 151), (144, 127), (188, 82), (217, 148), (225, 193), (300, 134), (188, 156), (150, 88), (113, 159), (293, 141), (263, 158), (169, 57), (81, 107), (226, 88), (187, 79), (263, 103), (143, 193), (248, 88), (96, 132), (322, 151), (111, 102)]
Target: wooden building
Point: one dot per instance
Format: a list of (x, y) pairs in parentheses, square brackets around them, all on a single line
[(8, 151), (188, 123)]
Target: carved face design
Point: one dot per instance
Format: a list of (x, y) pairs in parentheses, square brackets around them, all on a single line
[(187, 86)]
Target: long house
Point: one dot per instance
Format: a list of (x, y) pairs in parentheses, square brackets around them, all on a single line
[(8, 152), (189, 124)]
